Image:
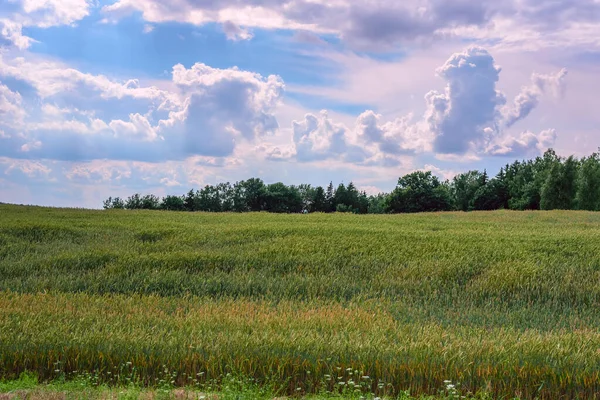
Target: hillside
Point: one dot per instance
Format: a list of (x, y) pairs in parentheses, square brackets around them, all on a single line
[(502, 302)]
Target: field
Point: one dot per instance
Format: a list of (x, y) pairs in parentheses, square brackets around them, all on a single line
[(506, 303)]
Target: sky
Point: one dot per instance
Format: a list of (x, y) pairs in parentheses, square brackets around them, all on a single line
[(104, 98)]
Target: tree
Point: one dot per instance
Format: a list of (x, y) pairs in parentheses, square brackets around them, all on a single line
[(225, 194), (568, 190), (560, 188), (150, 202), (114, 204), (209, 199), (280, 198), (352, 197), (489, 196), (550, 199), (464, 186), (588, 193), (173, 203), (189, 202), (133, 202), (319, 201), (254, 193), (340, 197), (307, 193), (419, 192), (377, 204), (329, 198), (363, 203)]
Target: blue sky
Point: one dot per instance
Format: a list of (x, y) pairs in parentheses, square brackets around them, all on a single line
[(106, 98)]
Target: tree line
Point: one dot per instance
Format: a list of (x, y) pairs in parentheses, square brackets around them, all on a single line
[(547, 182)]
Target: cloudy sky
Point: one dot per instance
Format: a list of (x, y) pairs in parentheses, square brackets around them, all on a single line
[(106, 98)]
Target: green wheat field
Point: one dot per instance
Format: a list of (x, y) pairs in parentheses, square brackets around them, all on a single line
[(502, 303)]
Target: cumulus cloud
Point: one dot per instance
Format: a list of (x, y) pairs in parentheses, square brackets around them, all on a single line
[(369, 142), (384, 23), (459, 117), (17, 14), (47, 13), (225, 106), (526, 143), (357, 21), (208, 111), (11, 107), (11, 33), (235, 32), (396, 137), (465, 121), (318, 138), (471, 116), (530, 95)]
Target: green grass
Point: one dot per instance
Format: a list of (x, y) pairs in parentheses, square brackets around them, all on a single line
[(506, 303)]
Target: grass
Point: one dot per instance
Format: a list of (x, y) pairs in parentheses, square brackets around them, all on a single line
[(505, 303)]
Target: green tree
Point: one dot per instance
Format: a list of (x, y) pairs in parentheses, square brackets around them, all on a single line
[(319, 200), (225, 194), (190, 201), (114, 204), (560, 189), (254, 194), (133, 202), (419, 192), (173, 203), (329, 198), (352, 197), (150, 202), (280, 198), (377, 204), (340, 197), (209, 199), (588, 193), (489, 196), (307, 193), (464, 186)]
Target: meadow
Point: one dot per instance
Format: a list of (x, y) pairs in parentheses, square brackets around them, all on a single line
[(504, 303)]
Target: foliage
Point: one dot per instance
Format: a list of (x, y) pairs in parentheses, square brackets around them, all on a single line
[(588, 194), (547, 182), (420, 192)]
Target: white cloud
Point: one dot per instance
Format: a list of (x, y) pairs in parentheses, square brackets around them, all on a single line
[(383, 23), (51, 78), (47, 13), (17, 14), (530, 95), (11, 32), (439, 172), (526, 143), (138, 126), (29, 168), (235, 33), (35, 145), (395, 137), (317, 137), (459, 116), (207, 111), (11, 107)]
